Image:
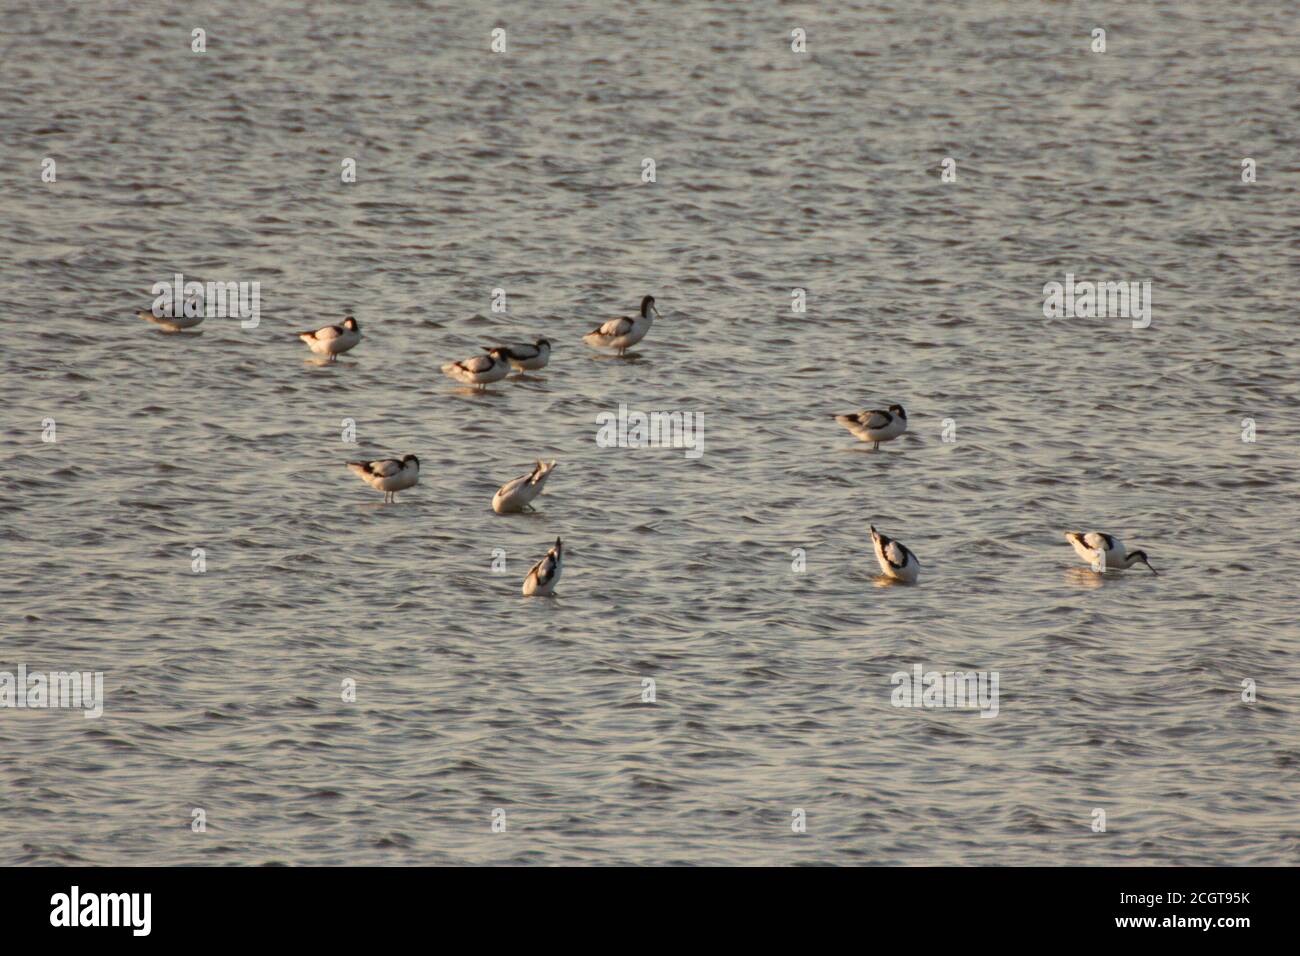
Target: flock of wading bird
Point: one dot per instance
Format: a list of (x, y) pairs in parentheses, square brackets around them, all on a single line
[(1102, 551)]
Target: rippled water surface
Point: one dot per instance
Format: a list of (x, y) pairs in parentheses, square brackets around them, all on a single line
[(775, 171)]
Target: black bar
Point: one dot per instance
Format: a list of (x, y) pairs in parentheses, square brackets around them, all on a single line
[(339, 906)]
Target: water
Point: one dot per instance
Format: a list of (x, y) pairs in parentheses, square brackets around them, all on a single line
[(775, 171)]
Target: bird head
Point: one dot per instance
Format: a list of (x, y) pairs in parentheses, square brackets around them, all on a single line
[(1141, 556)]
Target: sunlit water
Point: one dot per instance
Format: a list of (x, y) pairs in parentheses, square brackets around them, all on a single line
[(775, 171)]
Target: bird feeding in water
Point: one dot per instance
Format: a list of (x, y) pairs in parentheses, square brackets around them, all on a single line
[(1106, 552), (186, 317), (517, 495), (895, 559), (545, 574), (876, 425), (623, 333), (388, 475)]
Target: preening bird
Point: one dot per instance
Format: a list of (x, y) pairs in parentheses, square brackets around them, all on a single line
[(875, 424), (480, 370), (333, 340), (389, 475), (623, 333)]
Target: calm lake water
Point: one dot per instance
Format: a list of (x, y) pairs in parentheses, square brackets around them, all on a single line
[(774, 171)]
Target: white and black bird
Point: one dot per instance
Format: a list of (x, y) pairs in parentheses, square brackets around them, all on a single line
[(517, 495), (180, 321), (529, 358), (623, 333), (481, 370), (876, 424), (545, 574), (389, 475), (333, 340), (895, 558), (1106, 552)]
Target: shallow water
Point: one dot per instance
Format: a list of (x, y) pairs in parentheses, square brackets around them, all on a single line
[(774, 171)]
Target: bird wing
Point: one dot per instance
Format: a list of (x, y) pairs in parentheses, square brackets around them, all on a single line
[(511, 486), (479, 363), (384, 467), (875, 418), (545, 568), (1098, 541), (615, 327), (895, 554), (523, 351)]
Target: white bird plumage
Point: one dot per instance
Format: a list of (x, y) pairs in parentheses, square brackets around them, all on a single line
[(623, 333), (876, 424), (333, 340), (389, 475), (895, 559), (545, 574), (1105, 552), (480, 370), (517, 495)]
